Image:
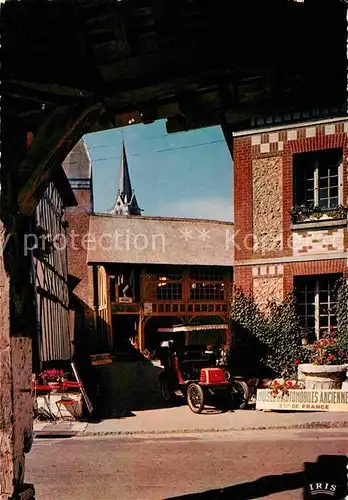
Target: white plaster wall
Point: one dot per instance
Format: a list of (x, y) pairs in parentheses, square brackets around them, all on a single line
[(160, 241)]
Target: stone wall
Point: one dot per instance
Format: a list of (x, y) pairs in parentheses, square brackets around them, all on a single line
[(16, 404), (6, 406), (267, 289), (267, 204), (268, 284)]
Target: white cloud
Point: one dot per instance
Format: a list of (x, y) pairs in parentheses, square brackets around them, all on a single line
[(200, 208)]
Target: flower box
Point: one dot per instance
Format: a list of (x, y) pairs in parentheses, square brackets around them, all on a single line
[(322, 376), (304, 213)]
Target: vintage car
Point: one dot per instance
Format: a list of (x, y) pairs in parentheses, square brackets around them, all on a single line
[(192, 372)]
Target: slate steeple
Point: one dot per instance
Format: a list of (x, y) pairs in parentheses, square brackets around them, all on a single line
[(126, 202)]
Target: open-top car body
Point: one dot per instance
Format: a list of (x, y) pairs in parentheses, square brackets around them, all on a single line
[(192, 372)]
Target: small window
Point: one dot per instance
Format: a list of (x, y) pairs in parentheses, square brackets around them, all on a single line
[(317, 178), (206, 274), (207, 291), (316, 303), (169, 291)]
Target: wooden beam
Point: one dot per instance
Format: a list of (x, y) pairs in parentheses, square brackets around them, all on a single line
[(48, 88), (55, 139)]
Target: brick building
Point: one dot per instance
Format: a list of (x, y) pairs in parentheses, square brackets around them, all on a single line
[(136, 274), (291, 198), (78, 169), (290, 233)]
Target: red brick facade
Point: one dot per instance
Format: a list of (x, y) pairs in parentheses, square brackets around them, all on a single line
[(264, 173), (79, 171)]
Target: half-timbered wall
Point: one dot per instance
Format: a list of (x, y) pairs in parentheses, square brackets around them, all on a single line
[(189, 290), (50, 273)]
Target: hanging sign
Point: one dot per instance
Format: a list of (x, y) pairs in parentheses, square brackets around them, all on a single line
[(82, 388), (147, 308), (100, 359), (303, 400), (125, 300)]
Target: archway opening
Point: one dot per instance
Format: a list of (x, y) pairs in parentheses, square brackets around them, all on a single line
[(153, 337)]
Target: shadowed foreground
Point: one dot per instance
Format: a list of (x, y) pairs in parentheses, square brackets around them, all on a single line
[(239, 465)]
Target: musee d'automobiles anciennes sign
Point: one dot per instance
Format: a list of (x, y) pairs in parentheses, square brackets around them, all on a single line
[(303, 400)]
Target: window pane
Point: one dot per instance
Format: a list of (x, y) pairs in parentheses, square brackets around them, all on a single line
[(303, 178), (323, 182), (310, 309), (310, 322), (333, 191), (334, 202), (323, 193), (324, 203), (333, 180)]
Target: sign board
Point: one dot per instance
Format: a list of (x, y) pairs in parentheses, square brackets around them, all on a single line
[(82, 388), (147, 308), (100, 359), (303, 400), (125, 300)]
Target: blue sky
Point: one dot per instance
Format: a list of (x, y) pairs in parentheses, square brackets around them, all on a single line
[(188, 174)]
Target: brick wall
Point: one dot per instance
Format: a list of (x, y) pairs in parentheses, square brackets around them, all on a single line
[(315, 241), (320, 267), (263, 193), (243, 278), (78, 218)]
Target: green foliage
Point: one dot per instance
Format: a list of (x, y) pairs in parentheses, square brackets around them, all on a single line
[(342, 315), (327, 351), (278, 329)]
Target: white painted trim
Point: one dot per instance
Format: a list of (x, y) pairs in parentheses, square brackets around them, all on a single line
[(316, 310), (285, 260), (319, 224), (191, 328), (80, 184), (288, 127), (340, 184)]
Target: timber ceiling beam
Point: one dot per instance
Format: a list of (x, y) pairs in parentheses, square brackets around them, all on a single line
[(60, 90), (54, 140)]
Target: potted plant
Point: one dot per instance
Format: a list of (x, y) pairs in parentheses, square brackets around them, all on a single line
[(282, 386), (328, 364), (53, 378)]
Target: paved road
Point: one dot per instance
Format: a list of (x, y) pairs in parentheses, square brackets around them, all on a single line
[(243, 464)]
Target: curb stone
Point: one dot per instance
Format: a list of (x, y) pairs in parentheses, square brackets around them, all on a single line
[(307, 425)]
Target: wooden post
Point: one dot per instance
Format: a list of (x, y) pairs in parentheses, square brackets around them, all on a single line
[(108, 312), (17, 324), (141, 332), (24, 177), (52, 143)]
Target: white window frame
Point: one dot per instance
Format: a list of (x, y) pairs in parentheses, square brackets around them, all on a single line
[(331, 304), (316, 182)]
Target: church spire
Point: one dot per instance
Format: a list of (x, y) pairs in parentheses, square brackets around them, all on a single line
[(126, 202)]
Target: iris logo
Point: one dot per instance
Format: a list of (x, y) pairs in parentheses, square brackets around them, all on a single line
[(322, 489)]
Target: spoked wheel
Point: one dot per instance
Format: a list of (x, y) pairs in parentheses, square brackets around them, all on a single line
[(166, 388), (241, 393), (195, 398)]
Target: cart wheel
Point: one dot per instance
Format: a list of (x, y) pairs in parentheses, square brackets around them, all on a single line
[(166, 389), (241, 393), (195, 398)]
